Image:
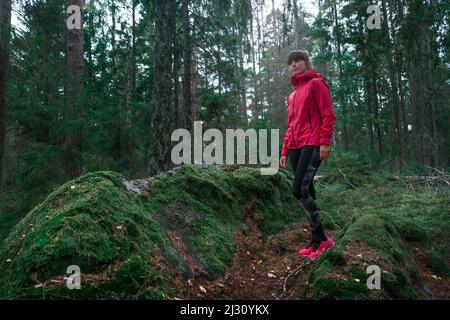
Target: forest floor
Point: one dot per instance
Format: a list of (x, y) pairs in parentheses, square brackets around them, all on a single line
[(241, 242), (261, 266)]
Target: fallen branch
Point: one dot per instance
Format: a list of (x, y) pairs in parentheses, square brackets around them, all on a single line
[(424, 179), (345, 177), (294, 272)]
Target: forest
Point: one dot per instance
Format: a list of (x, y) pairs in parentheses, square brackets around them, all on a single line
[(91, 92)]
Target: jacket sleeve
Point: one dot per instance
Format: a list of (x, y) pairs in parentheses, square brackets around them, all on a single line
[(325, 107), (287, 135)]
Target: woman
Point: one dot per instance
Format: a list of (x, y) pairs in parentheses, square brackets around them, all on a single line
[(307, 141)]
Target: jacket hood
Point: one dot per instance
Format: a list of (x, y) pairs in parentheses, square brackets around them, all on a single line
[(299, 78)]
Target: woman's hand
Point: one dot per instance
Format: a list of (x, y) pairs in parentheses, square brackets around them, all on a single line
[(324, 151), (283, 162)]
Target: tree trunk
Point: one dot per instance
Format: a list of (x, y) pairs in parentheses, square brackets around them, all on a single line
[(5, 26), (255, 112), (187, 76), (160, 116), (74, 59), (196, 83), (131, 87), (242, 82), (393, 82), (298, 29), (343, 100), (367, 84)]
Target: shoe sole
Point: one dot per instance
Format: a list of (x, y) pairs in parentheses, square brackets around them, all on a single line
[(303, 255), (326, 250)]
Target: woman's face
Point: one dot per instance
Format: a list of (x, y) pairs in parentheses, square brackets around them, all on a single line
[(298, 66)]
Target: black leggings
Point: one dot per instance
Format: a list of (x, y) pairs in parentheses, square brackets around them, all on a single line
[(305, 162)]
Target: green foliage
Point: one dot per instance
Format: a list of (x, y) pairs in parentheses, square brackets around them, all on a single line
[(333, 289), (438, 263), (380, 216), (337, 258), (115, 237)]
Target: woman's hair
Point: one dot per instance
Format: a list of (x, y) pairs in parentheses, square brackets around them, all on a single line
[(297, 55)]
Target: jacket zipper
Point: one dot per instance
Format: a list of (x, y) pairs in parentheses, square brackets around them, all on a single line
[(293, 119), (309, 119)]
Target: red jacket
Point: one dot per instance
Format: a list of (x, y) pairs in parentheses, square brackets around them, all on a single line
[(310, 112)]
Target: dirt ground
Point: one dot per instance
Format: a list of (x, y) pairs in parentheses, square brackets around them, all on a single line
[(437, 286), (262, 264), (259, 268)]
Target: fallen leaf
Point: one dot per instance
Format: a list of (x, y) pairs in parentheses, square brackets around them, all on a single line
[(202, 289)]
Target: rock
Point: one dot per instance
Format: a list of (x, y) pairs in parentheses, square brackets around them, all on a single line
[(138, 187), (170, 172)]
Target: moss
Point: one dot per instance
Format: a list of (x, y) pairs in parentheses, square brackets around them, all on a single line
[(410, 231), (91, 222), (136, 279), (327, 289), (336, 258), (327, 220), (395, 286), (370, 230), (383, 240), (95, 223), (437, 263)]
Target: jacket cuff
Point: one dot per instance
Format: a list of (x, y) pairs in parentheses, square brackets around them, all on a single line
[(284, 151), (325, 140)]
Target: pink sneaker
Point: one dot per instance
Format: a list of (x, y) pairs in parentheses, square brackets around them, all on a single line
[(307, 251), (323, 247)]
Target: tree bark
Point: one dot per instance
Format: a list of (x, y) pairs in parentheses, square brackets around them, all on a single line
[(74, 60), (5, 35), (187, 76), (298, 28), (343, 100), (393, 81), (160, 116)]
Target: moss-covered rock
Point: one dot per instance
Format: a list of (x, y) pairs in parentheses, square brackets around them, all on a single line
[(115, 237)]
